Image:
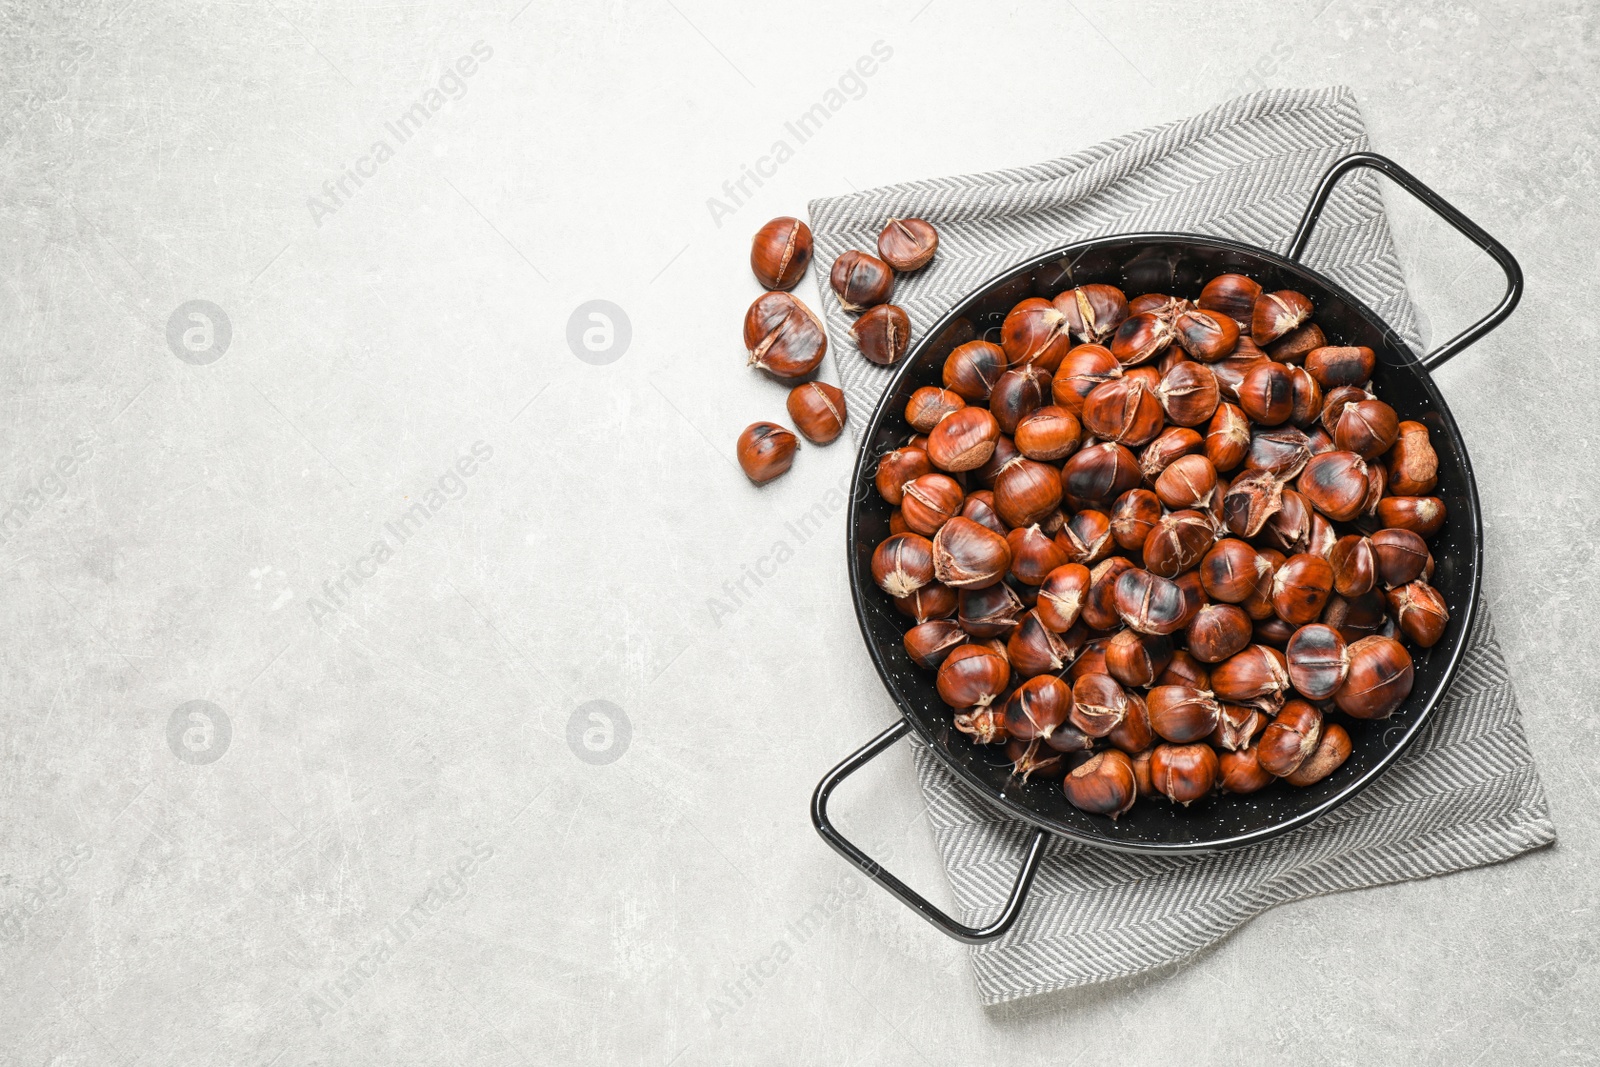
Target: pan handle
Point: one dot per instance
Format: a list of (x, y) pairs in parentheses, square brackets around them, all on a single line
[(1473, 232), (908, 896)]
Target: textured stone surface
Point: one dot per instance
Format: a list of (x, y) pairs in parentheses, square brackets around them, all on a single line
[(399, 855)]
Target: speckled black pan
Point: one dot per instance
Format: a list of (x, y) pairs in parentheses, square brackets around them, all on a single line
[(1177, 264)]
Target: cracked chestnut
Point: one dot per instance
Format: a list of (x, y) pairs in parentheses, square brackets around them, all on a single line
[(908, 244), (1035, 333), (783, 336), (780, 253), (1289, 738), (929, 502), (1081, 370), (972, 369), (861, 280), (930, 642), (1102, 785), (1183, 773), (963, 440), (1180, 714), (1062, 595), (898, 467), (1048, 433), (1379, 681), (1412, 464), (902, 564), (1232, 294), (972, 676), (882, 334), (1093, 312), (1136, 659), (817, 409), (765, 451), (969, 556), (1318, 661), (1420, 612), (1330, 754)]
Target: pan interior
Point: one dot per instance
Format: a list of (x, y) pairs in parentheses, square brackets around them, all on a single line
[(1177, 264)]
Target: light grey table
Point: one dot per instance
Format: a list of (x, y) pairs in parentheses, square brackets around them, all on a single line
[(397, 828)]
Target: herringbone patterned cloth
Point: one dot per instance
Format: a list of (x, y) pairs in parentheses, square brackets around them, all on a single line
[(1466, 794)]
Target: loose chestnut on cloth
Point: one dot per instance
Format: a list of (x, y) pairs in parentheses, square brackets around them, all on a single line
[(861, 280), (882, 334), (908, 244)]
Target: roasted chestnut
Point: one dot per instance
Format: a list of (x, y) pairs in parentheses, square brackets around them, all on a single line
[(984, 724), (969, 556), (902, 564), (1300, 588), (1333, 365), (1185, 670), (1099, 607), (1289, 528), (972, 675), (1335, 483), (929, 501), (1241, 772), (1252, 499), (780, 253), (1147, 602), (1232, 294), (1258, 605), (1123, 410), (1062, 595), (1098, 704), (1420, 612), (1412, 464), (1379, 681), (1237, 727), (1018, 393), (1367, 428), (1183, 773), (1132, 517), (928, 643), (1227, 440), (1081, 370), (1038, 708), (1102, 785), (1048, 433), (1181, 714), (1307, 397), (861, 280), (898, 467), (765, 451), (882, 334), (1257, 675), (1097, 475), (1229, 571), (1205, 334), (783, 336), (979, 507), (992, 611), (1275, 314), (1401, 556), (1026, 491), (1141, 338), (1034, 758), (1034, 332), (1331, 752), (972, 369), (932, 601), (1266, 393), (1422, 515), (1355, 565), (1293, 346), (1086, 537), (930, 405), (1217, 632), (1283, 452), (1005, 450), (1178, 542), (1171, 444), (1033, 555), (1355, 617), (1093, 312), (1133, 658), (1230, 372), (963, 440), (1187, 482), (907, 244), (1318, 660), (1289, 738), (817, 409), (1273, 631)]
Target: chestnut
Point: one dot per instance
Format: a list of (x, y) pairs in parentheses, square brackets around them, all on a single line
[(1422, 515), (902, 564), (1275, 314), (1067, 738), (1289, 738), (1293, 346), (1148, 602), (1318, 440), (1232, 294), (969, 556), (1307, 397), (931, 405), (985, 724), (1258, 605), (1183, 773), (1187, 482), (963, 440), (861, 280), (1163, 304), (992, 611), (1026, 491), (1401, 556), (765, 451), (1093, 312), (1333, 365), (1367, 428), (1185, 670), (932, 601), (1231, 372), (1257, 674), (1141, 338), (1331, 752), (979, 507), (1266, 393), (898, 467), (1335, 483), (1273, 631), (1251, 499), (1205, 334), (817, 409), (1178, 542), (1133, 658), (1018, 393), (1132, 517), (1181, 714), (1123, 410), (1188, 393), (1005, 450), (972, 675), (1336, 400), (1062, 595), (897, 522), (1412, 464), (1049, 432), (1289, 528), (930, 642), (1141, 771), (1323, 537), (1217, 632), (1194, 597), (1033, 555), (1033, 648), (1227, 439), (783, 336), (1038, 708), (1099, 610), (780, 253), (1420, 612), (1229, 571), (1035, 333), (929, 502), (1300, 588), (1171, 444), (1081, 370), (1102, 785), (1318, 660), (972, 369), (1029, 758), (1098, 704), (907, 244), (1097, 475), (1283, 452), (1241, 772), (882, 334), (1237, 727), (1092, 660), (1355, 565), (1379, 681), (1086, 537), (1355, 617)]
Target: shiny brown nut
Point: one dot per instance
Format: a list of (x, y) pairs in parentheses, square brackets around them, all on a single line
[(1231, 372), (1170, 444), (1412, 464), (1229, 571), (1401, 556), (1136, 659), (1266, 393), (1048, 433), (1018, 393), (972, 675), (780, 253), (1283, 452), (1185, 670), (1258, 605), (1099, 704), (1188, 393), (928, 643), (963, 440), (1132, 517), (1100, 608), (1354, 563), (1379, 681), (1035, 759), (1420, 612), (765, 451), (1194, 596), (1367, 428), (861, 280), (1033, 555), (984, 724), (1092, 660), (1093, 312), (1335, 400), (1187, 482), (817, 409), (1180, 714), (1422, 515), (972, 369), (1178, 542), (979, 507), (1252, 676), (1123, 410), (1227, 440), (932, 601), (1275, 314), (1252, 498), (1289, 738), (783, 336), (969, 556), (1232, 294), (1086, 537), (898, 467), (1205, 334), (1241, 772), (1067, 738), (1323, 536), (929, 502), (1319, 441), (1356, 617), (1183, 773), (1163, 304), (1273, 631), (907, 244), (1097, 475), (992, 611), (1218, 632), (1289, 528), (1301, 587), (1082, 368), (1026, 491), (1147, 602), (882, 334), (1005, 451), (1237, 727), (1318, 661), (1293, 346), (1335, 483), (1332, 751), (931, 405), (1141, 771), (1307, 397), (1062, 595), (1334, 365), (1033, 648), (1037, 709), (1141, 338), (902, 564), (1102, 785), (1035, 333)]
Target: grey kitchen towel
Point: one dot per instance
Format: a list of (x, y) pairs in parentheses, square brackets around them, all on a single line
[(1467, 793)]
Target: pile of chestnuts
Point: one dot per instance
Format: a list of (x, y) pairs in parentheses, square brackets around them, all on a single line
[(1162, 546), (785, 338)]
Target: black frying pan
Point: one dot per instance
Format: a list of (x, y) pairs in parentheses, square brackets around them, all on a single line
[(1178, 264)]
